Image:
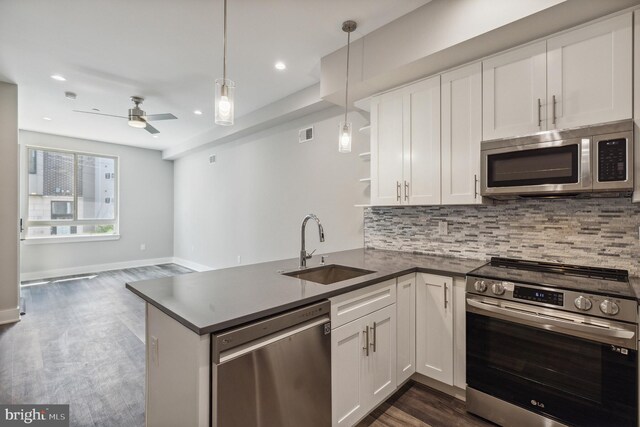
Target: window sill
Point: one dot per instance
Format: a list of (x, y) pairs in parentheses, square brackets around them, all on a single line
[(69, 239)]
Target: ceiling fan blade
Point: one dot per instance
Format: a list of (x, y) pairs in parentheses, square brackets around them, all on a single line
[(99, 114), (151, 129), (165, 116)]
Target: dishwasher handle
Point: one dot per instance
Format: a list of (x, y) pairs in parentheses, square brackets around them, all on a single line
[(258, 330), (265, 341)]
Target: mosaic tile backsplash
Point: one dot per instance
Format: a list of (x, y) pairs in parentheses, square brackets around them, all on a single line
[(595, 232)]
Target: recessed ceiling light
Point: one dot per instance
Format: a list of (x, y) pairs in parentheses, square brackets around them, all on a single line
[(47, 119), (58, 77), (155, 136), (197, 112), (280, 65)]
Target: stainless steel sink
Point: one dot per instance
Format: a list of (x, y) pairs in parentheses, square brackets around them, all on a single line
[(329, 274)]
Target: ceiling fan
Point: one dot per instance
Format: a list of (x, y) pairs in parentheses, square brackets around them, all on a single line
[(137, 117)]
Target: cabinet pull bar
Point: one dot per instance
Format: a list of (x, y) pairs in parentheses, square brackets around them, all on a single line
[(554, 109), (445, 296), (475, 186), (373, 343), (539, 113), (398, 196), (366, 345), (406, 191)]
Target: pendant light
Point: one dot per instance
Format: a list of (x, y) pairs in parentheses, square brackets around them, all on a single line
[(344, 137), (224, 87)]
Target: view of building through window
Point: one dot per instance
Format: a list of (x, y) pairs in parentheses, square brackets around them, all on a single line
[(70, 194)]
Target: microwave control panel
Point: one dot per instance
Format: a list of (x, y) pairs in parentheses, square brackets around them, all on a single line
[(612, 160)]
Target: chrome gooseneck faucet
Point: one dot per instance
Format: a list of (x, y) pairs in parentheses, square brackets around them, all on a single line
[(303, 252)]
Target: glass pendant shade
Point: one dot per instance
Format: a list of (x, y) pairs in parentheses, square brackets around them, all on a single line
[(344, 137), (224, 102)]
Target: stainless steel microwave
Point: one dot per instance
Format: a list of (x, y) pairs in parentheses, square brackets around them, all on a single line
[(580, 162)]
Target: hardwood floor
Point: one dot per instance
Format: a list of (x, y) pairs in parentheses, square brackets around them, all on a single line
[(81, 342), (417, 405)]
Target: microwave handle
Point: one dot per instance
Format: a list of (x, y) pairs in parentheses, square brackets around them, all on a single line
[(585, 163)]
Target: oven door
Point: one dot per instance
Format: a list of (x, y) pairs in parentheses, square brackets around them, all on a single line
[(570, 372), (547, 167)]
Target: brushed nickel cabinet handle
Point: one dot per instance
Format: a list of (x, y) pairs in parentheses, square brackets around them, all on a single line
[(406, 191), (539, 113), (366, 345), (475, 186), (398, 196), (445, 296), (373, 343), (554, 109)]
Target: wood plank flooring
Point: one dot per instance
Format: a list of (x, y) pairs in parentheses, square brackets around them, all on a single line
[(81, 342), (416, 405)]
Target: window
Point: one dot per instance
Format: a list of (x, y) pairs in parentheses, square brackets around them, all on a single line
[(71, 194)]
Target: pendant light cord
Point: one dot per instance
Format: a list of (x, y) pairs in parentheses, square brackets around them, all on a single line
[(346, 88), (224, 54)]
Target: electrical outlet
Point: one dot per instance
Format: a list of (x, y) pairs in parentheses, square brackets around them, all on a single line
[(143, 246), (239, 259), (153, 351), (443, 228)]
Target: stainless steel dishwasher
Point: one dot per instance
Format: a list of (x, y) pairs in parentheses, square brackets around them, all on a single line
[(274, 372)]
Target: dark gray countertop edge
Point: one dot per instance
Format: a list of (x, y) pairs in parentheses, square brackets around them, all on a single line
[(218, 327)]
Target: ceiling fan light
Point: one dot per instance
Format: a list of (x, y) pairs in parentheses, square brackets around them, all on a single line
[(137, 122)]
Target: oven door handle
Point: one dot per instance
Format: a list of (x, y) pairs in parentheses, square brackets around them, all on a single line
[(605, 334)]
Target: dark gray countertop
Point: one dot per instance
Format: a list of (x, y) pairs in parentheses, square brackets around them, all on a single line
[(211, 301)]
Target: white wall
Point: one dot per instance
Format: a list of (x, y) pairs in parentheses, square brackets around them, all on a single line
[(251, 201), (9, 262), (146, 213)]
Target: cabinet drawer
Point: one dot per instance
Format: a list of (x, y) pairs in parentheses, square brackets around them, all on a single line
[(353, 305)]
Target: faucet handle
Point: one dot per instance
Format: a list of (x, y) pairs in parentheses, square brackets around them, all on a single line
[(309, 255)]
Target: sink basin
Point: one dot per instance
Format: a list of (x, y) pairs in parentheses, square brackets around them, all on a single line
[(328, 274)]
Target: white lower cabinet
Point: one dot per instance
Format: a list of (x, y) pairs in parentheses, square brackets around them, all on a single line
[(387, 332), (363, 357), (406, 327), (440, 329)]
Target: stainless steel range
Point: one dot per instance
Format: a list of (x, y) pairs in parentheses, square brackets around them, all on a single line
[(551, 345)]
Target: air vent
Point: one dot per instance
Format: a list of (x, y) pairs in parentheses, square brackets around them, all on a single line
[(212, 158), (305, 135)]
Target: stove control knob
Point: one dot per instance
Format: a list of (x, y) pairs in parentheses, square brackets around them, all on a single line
[(609, 307), (582, 303), (497, 288), (480, 286)]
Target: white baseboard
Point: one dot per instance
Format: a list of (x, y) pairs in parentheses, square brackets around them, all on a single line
[(9, 316), (192, 265), (95, 268)]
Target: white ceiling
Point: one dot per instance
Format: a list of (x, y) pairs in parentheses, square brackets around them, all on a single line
[(169, 52)]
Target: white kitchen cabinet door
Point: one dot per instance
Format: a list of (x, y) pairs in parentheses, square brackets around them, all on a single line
[(382, 354), (434, 327), (459, 333), (386, 148), (514, 91), (406, 327), (461, 135), (589, 72), (349, 379), (421, 171)]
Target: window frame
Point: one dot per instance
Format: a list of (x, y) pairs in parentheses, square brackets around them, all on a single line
[(115, 222)]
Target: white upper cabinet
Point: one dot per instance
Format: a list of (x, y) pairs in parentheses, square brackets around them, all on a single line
[(514, 92), (405, 145), (589, 74), (386, 148), (461, 135), (578, 78), (421, 183)]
